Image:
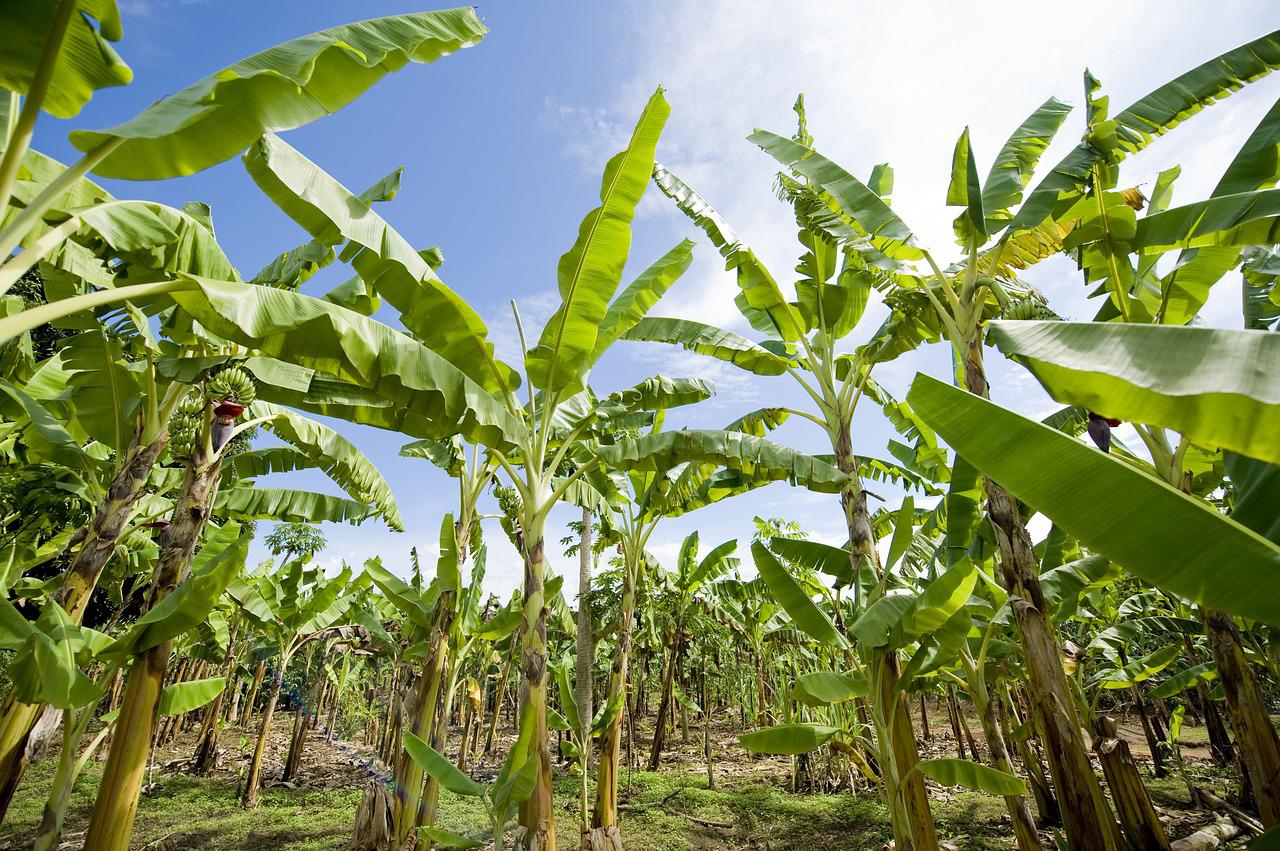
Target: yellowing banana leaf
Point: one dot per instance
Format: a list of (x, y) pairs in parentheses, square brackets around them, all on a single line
[(1167, 538), (1215, 386), (282, 87)]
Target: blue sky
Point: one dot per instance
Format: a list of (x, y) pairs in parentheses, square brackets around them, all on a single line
[(503, 145)]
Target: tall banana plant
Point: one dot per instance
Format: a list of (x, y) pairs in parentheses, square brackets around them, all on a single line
[(634, 505), (292, 607), (954, 303), (830, 300)]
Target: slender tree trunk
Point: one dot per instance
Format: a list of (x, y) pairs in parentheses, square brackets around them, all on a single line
[(706, 719), (537, 818), (953, 713), (664, 704), (1255, 734), (205, 758), (516, 641), (302, 720), (249, 797), (905, 793), (96, 543), (251, 699), (924, 720), (1087, 818), (1148, 728), (1024, 828), (584, 665), (111, 825), (409, 803), (1046, 800), (604, 834)]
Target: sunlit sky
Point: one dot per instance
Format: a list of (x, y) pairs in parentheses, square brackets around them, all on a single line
[(503, 145)]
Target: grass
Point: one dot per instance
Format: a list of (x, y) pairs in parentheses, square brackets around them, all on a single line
[(673, 810)]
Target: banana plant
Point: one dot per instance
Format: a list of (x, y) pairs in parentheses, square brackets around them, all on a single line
[(512, 786), (953, 304), (830, 300), (293, 607), (284, 87), (691, 574)]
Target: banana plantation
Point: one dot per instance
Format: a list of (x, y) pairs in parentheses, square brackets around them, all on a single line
[(1048, 632)]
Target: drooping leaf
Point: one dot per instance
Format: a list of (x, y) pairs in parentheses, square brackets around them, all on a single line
[(86, 61), (181, 697), (794, 599), (963, 772), (438, 766), (710, 341), (387, 263), (1168, 538), (753, 455), (281, 88), (822, 688), (854, 197), (337, 456), (759, 298), (289, 506), (1212, 385), (338, 342), (788, 738)]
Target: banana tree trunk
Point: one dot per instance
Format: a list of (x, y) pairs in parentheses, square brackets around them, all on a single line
[(1138, 819), (249, 797), (537, 819), (1024, 828), (905, 793), (111, 825), (604, 834), (1087, 818), (409, 808), (301, 723), (251, 700), (500, 698), (1255, 734), (664, 703), (99, 541), (1046, 801), (206, 753), (444, 709), (1154, 743)]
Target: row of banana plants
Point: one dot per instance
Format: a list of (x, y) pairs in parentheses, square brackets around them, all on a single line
[(139, 366)]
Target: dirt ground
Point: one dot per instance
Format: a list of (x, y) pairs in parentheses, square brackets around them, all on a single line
[(750, 807)]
